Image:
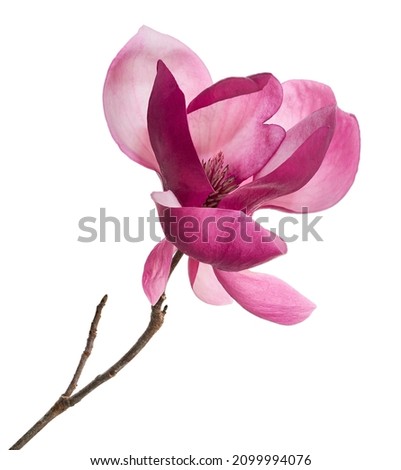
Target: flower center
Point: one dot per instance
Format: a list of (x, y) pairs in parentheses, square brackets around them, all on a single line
[(221, 181)]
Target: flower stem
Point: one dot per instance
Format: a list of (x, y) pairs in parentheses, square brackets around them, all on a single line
[(68, 399)]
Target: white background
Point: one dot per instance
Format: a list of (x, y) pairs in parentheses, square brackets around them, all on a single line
[(215, 381)]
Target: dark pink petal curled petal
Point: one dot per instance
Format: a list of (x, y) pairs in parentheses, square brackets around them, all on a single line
[(181, 170), (157, 270), (296, 136), (229, 117), (129, 82), (205, 284), (336, 174), (234, 87), (226, 239), (266, 296), (290, 176), (301, 98)]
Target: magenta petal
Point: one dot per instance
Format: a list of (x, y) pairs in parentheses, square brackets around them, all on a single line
[(336, 174), (229, 117), (226, 239), (296, 136), (129, 82), (235, 87), (266, 296), (301, 98), (296, 170), (156, 270), (181, 170), (205, 284)]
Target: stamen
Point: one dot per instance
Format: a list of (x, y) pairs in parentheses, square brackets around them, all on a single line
[(221, 181)]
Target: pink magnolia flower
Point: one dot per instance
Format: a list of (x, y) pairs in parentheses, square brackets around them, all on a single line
[(222, 151)]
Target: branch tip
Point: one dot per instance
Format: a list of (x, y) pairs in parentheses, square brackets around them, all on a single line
[(69, 398)]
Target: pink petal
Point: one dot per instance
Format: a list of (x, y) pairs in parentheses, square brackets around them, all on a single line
[(301, 98), (205, 284), (235, 87), (165, 198), (226, 239), (229, 116), (338, 170), (298, 168), (156, 270), (181, 170), (266, 296), (129, 82), (336, 174)]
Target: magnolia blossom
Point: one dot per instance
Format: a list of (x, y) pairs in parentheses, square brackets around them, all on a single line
[(222, 151)]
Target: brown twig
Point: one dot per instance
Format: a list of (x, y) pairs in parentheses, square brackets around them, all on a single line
[(67, 400), (176, 259), (88, 348)]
